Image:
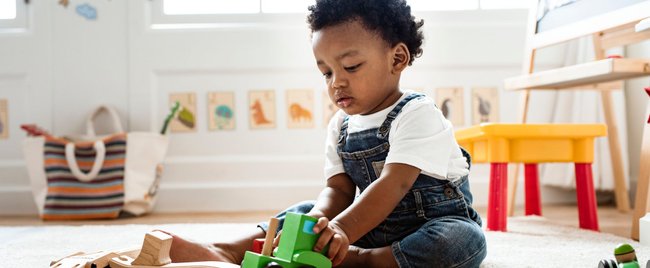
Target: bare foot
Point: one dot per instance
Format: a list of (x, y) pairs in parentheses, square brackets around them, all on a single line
[(376, 257), (183, 250)]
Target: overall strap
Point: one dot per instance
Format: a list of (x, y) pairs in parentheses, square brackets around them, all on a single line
[(343, 133), (382, 133)]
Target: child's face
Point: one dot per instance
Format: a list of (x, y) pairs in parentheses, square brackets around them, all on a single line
[(358, 68)]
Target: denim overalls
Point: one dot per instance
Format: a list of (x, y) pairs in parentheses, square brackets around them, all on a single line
[(434, 225)]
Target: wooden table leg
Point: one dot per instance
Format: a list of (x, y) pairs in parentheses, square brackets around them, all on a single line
[(498, 197), (643, 181), (620, 187)]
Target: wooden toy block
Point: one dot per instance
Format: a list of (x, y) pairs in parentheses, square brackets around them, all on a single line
[(126, 262), (97, 259), (155, 254), (257, 245), (155, 249), (270, 234)]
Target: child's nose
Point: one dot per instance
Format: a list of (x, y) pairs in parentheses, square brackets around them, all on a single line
[(338, 81)]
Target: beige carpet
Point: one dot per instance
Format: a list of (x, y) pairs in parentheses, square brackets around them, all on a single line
[(530, 242)]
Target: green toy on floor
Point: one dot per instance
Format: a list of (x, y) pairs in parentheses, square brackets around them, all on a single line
[(294, 249)]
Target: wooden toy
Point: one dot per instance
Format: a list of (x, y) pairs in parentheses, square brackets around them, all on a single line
[(295, 248), (97, 259), (153, 254), (155, 249), (625, 258)]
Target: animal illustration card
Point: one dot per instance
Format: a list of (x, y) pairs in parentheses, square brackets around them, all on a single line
[(186, 116), (329, 109), (300, 108), (450, 101), (485, 105), (4, 119), (221, 110), (261, 104)]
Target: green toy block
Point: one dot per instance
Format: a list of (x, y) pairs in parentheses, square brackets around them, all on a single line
[(295, 248)]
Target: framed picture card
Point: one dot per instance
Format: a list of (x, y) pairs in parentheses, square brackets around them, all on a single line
[(329, 109), (261, 105), (485, 105), (451, 102), (185, 120), (221, 110), (300, 108)]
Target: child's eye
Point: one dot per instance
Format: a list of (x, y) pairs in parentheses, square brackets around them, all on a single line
[(352, 68), (327, 75)]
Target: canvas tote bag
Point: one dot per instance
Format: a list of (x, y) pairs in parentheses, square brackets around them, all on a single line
[(93, 177)]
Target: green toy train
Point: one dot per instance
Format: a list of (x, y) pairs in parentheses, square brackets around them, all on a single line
[(294, 249)]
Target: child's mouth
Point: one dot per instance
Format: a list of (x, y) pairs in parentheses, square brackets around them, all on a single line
[(344, 102)]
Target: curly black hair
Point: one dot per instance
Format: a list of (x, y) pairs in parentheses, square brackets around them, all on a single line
[(392, 19)]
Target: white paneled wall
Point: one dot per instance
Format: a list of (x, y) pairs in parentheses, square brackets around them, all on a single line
[(64, 65)]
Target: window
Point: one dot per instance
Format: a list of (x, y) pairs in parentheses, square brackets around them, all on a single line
[(13, 15), (429, 5), (187, 7), (284, 6), (180, 14), (504, 4), (7, 9)]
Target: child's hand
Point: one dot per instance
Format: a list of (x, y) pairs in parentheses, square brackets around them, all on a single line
[(338, 240), (276, 240)]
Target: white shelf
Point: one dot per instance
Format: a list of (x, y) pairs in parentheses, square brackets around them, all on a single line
[(643, 25), (595, 72)]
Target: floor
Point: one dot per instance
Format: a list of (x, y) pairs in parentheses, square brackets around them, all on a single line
[(610, 220)]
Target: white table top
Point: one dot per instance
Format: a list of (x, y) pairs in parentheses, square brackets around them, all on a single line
[(643, 25)]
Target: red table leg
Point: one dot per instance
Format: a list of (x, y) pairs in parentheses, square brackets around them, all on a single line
[(533, 203), (587, 213), (498, 197)]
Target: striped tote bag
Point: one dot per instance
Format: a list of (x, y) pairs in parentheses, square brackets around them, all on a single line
[(94, 177), (84, 180)]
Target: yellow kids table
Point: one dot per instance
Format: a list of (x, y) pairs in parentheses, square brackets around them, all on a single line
[(531, 144)]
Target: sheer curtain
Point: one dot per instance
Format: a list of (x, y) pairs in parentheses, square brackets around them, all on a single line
[(579, 106)]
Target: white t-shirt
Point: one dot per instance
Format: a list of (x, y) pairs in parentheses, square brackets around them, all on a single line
[(419, 136)]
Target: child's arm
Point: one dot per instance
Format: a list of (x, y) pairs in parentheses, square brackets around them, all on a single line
[(336, 197), (377, 201), (370, 209)]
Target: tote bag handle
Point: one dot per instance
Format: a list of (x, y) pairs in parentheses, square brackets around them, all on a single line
[(100, 150), (90, 125)]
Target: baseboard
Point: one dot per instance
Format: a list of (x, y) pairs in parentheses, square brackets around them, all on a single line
[(222, 197)]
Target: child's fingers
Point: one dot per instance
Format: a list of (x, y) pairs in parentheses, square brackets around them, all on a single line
[(276, 240), (335, 244), (320, 225), (340, 256), (325, 237)]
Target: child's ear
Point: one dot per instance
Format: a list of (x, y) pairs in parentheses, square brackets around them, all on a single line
[(401, 57)]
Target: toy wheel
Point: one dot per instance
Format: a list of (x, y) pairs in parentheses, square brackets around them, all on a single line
[(607, 264)]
